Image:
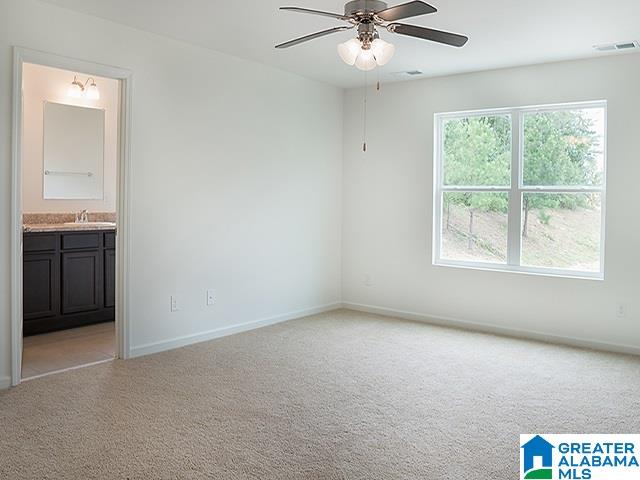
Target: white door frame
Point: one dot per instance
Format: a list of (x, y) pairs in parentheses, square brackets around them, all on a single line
[(123, 237)]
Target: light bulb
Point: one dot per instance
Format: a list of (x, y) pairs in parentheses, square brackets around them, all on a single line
[(92, 92), (349, 51), (382, 51), (366, 61)]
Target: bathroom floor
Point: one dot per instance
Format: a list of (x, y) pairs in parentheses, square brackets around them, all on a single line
[(55, 351)]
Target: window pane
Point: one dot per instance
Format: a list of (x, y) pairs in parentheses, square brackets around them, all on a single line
[(474, 226), (565, 147), (561, 230), (477, 151)]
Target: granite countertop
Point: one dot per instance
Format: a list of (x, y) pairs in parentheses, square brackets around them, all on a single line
[(64, 222), (68, 227)]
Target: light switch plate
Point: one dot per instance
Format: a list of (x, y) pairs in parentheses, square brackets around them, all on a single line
[(174, 303)]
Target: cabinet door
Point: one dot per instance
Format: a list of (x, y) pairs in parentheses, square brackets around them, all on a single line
[(41, 285), (109, 278), (82, 284)]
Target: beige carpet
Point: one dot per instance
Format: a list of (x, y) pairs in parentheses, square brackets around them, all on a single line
[(341, 395)]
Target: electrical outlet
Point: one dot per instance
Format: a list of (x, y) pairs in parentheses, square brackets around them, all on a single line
[(621, 310), (174, 304), (210, 297), (368, 282)]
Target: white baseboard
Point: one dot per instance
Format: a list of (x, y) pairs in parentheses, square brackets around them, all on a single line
[(495, 329), (5, 382), (164, 345)]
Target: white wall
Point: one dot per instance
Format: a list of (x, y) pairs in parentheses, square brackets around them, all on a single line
[(387, 205), (42, 84), (236, 171)]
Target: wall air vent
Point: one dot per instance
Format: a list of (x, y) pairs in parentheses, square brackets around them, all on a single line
[(610, 47)]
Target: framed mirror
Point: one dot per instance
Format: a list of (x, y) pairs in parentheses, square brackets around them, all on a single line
[(73, 151)]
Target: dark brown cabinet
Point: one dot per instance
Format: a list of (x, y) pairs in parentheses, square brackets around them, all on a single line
[(41, 299), (81, 281), (69, 279)]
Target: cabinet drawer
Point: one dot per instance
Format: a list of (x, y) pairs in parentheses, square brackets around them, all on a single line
[(110, 240), (39, 243), (72, 241)]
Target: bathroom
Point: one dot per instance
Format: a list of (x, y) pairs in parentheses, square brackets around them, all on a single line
[(69, 163)]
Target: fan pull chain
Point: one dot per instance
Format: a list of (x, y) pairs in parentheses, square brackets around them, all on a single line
[(364, 115)]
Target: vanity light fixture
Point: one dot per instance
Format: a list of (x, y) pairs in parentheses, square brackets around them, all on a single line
[(77, 89)]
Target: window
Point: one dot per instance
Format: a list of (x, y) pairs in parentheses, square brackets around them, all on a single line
[(522, 189)]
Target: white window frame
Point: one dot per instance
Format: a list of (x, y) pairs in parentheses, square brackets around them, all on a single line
[(515, 191)]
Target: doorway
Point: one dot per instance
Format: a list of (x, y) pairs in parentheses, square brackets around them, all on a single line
[(70, 214)]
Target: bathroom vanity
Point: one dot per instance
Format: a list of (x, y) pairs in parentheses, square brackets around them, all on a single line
[(68, 276)]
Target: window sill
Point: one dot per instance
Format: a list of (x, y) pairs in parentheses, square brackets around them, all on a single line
[(543, 272)]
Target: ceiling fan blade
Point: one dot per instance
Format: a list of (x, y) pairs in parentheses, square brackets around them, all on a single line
[(312, 36), (406, 10), (337, 16), (439, 36)]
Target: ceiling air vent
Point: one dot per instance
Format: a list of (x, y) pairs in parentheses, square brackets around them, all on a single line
[(610, 47), (408, 73)]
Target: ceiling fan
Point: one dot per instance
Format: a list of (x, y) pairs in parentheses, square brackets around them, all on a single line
[(368, 50)]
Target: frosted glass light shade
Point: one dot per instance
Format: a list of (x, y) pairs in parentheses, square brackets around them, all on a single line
[(74, 91), (92, 92), (382, 51), (349, 51), (366, 60)]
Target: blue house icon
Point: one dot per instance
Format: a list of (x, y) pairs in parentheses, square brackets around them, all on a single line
[(537, 447)]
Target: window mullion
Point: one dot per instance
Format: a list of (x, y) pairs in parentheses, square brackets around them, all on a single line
[(560, 189), (515, 196)]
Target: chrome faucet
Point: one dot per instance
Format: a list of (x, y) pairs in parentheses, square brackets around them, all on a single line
[(82, 217)]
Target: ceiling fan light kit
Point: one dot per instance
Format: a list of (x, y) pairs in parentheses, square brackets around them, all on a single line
[(366, 54), (368, 50)]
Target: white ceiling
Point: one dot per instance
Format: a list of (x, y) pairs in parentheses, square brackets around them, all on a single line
[(502, 32)]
